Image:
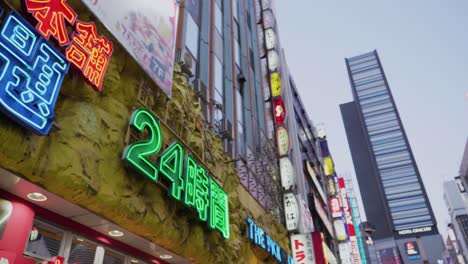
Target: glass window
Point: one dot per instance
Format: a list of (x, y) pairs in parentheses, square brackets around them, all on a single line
[(82, 251), (218, 80), (235, 9), (193, 7), (44, 241), (192, 37), (111, 257), (239, 106), (218, 19), (237, 53)]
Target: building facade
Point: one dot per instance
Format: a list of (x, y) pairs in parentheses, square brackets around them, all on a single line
[(137, 155), (456, 200), (393, 194)]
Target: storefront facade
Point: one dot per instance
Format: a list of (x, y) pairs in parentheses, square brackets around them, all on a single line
[(177, 199)]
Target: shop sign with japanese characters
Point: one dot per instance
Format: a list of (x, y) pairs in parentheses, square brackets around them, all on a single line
[(302, 248), (187, 181), (291, 211), (287, 173)]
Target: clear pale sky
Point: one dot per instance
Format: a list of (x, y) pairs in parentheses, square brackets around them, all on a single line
[(423, 46)]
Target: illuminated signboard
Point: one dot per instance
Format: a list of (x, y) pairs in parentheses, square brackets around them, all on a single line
[(345, 253), (272, 60), (282, 140), (187, 180), (287, 173), (275, 81), (415, 230), (291, 211), (270, 38), (279, 110), (335, 207), (412, 250), (88, 51), (261, 238), (32, 71), (331, 186), (303, 248), (340, 230), (327, 165)]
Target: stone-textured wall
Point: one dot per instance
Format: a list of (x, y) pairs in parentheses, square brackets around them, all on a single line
[(81, 161)]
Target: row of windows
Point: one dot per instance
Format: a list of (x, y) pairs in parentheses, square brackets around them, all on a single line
[(361, 58), (413, 219), (386, 137), (392, 158), (366, 74), (407, 207), (364, 66), (363, 89), (371, 80), (382, 108), (414, 225)]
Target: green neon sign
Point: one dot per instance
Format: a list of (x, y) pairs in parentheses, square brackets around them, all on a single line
[(188, 181)]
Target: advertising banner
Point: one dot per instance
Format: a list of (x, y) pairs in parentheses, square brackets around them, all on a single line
[(388, 256), (147, 30), (302, 248), (345, 253), (412, 250)]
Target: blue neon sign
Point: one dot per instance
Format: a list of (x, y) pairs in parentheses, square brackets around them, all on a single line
[(261, 238), (31, 74)]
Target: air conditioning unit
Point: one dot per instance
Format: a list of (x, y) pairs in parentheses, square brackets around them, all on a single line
[(186, 63)]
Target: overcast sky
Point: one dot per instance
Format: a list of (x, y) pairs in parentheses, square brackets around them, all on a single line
[(423, 46)]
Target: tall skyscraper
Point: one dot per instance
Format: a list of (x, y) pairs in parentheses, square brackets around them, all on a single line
[(393, 193)]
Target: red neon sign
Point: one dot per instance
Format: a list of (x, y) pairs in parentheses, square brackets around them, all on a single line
[(51, 16), (88, 51)]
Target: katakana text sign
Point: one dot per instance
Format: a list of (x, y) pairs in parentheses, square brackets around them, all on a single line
[(31, 74), (185, 178)]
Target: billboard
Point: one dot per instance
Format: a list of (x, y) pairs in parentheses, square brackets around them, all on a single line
[(388, 256), (302, 248), (146, 30), (412, 250)]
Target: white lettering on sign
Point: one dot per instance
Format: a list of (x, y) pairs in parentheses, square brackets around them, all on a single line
[(415, 230)]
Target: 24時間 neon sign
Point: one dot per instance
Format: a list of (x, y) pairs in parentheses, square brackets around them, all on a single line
[(188, 181)]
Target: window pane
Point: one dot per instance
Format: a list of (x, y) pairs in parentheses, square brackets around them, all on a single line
[(81, 251), (191, 37), (44, 242), (218, 78), (218, 19), (237, 53), (111, 257), (193, 7)]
